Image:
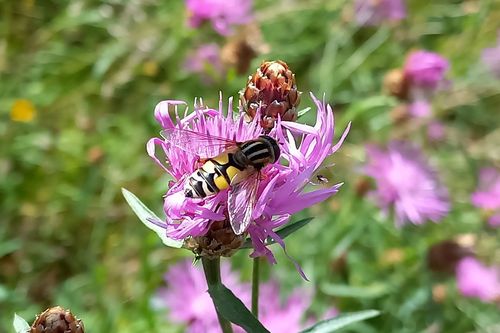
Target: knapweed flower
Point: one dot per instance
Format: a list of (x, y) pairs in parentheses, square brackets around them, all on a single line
[(375, 12), (205, 60), (406, 183), (491, 58), (23, 111), (224, 15), (425, 70), (487, 195), (189, 302), (273, 92), (281, 190), (474, 279)]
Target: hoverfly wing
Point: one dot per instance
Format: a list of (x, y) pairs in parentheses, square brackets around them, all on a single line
[(203, 145), (241, 202)]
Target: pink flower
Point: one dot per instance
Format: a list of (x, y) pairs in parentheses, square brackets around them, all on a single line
[(420, 108), (206, 61), (406, 183), (491, 58), (425, 70), (476, 280), (487, 195), (188, 302), (187, 299), (369, 12), (436, 131), (281, 191), (223, 14)]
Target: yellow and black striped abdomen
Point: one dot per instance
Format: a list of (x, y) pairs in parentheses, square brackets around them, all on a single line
[(215, 175)]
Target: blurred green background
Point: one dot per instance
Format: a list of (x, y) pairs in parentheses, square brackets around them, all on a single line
[(91, 72)]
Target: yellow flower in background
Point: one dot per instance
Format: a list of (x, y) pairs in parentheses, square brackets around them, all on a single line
[(150, 68), (22, 110)]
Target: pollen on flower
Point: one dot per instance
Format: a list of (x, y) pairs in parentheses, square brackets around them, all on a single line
[(22, 110)]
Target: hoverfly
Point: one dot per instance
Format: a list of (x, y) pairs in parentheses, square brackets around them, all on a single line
[(237, 167)]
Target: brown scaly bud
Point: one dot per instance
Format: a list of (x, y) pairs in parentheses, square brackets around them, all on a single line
[(219, 241), (273, 88), (56, 320), (396, 84), (444, 256)]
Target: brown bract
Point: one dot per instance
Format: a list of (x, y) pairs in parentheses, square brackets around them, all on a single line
[(220, 241), (57, 320), (273, 89)]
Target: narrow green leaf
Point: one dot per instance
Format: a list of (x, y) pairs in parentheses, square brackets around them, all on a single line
[(20, 325), (342, 290), (283, 232), (231, 308), (340, 321), (145, 215)]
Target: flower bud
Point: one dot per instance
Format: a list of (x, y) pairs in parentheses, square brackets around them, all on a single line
[(444, 256), (273, 89), (396, 84), (220, 240), (57, 320)]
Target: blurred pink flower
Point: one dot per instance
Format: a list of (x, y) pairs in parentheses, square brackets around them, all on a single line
[(187, 299), (205, 61), (223, 14), (281, 191), (420, 108), (477, 280), (370, 12), (487, 195), (436, 131), (405, 182), (491, 58), (425, 70), (188, 302)]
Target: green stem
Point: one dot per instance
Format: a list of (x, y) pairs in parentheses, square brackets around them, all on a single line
[(255, 287), (211, 267)]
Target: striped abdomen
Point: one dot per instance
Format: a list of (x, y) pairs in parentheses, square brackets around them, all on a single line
[(231, 166)]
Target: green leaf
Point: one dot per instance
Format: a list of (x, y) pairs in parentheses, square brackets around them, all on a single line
[(341, 290), (20, 325), (231, 308), (146, 215), (283, 232), (340, 321)]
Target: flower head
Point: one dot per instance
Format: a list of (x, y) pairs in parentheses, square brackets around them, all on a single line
[(273, 92), (375, 12), (223, 14), (281, 188), (57, 319), (487, 195), (474, 279), (405, 182), (23, 111), (425, 70), (186, 298), (491, 58), (206, 61)]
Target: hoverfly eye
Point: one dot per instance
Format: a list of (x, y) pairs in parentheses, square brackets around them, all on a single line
[(188, 193)]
